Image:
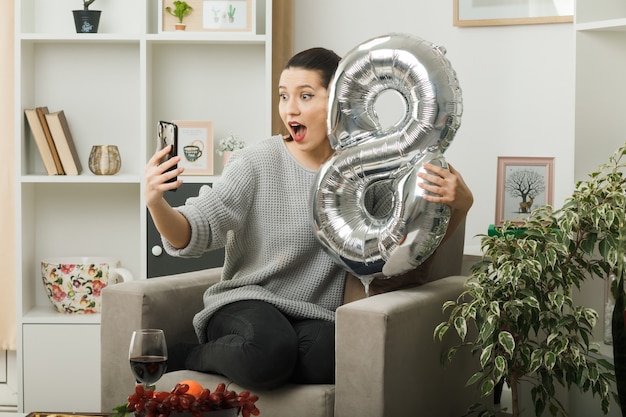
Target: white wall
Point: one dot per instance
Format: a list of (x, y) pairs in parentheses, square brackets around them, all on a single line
[(517, 82)]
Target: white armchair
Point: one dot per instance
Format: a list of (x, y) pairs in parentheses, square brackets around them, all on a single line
[(387, 363)]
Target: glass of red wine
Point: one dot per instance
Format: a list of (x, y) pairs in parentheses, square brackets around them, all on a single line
[(148, 355)]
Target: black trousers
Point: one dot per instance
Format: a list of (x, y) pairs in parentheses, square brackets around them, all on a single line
[(256, 346)]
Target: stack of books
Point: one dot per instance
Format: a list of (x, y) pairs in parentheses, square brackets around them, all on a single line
[(54, 141)]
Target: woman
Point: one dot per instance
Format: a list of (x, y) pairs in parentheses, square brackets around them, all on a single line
[(271, 319)]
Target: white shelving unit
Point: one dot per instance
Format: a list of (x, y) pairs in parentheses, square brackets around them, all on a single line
[(600, 82), (600, 107), (114, 86), (600, 112)]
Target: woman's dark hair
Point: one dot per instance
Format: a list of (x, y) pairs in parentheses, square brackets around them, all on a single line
[(321, 60)]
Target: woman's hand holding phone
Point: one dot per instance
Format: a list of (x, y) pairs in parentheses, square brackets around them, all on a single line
[(167, 137), (161, 176), (171, 224)]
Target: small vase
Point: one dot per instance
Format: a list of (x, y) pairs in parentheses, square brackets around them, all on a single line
[(180, 26), (225, 157), (105, 160)]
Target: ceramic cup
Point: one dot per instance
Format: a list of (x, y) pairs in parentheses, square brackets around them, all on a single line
[(74, 285), (192, 152)]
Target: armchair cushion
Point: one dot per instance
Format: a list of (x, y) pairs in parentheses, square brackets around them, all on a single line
[(287, 401)]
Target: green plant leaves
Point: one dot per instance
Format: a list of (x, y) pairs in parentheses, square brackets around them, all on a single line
[(461, 327), (500, 367), (549, 360), (487, 329), (485, 356), (519, 295), (507, 341)]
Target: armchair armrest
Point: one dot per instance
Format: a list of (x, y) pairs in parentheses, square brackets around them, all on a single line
[(167, 303), (387, 361)]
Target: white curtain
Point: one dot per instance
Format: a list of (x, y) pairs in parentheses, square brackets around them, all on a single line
[(7, 181)]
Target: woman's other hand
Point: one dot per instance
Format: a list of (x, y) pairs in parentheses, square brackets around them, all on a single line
[(447, 186)]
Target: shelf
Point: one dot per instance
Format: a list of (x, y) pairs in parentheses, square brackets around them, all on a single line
[(173, 37), (603, 25), (81, 37), (208, 38), (48, 315), (82, 179)]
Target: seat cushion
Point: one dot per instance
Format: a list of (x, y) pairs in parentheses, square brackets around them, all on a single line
[(290, 400)]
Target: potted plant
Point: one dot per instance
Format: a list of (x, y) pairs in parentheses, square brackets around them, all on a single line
[(518, 297), (227, 145), (85, 20), (231, 13), (180, 11)]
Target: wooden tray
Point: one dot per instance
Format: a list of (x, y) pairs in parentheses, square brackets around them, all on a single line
[(45, 414)]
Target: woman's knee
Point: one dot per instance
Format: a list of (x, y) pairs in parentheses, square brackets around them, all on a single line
[(256, 344), (316, 358), (268, 367)]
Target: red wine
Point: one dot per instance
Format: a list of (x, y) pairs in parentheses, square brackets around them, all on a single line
[(148, 369)]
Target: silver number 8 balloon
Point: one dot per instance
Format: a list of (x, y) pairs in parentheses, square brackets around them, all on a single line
[(374, 162)]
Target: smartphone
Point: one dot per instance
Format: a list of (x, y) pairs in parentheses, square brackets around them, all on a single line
[(167, 134)]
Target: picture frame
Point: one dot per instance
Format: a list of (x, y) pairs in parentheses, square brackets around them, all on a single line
[(511, 12), (212, 16), (522, 184), (195, 146)]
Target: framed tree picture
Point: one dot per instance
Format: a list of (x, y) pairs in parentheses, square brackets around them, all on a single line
[(523, 184), (512, 12)]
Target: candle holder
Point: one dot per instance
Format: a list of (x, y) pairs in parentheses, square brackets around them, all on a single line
[(105, 160)]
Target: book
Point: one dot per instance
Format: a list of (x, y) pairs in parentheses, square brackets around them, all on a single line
[(41, 141), (64, 143), (41, 114)]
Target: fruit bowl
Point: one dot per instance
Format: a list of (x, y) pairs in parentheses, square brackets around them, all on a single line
[(228, 412), (182, 401)]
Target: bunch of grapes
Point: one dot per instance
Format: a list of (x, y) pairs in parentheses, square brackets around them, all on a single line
[(148, 403)]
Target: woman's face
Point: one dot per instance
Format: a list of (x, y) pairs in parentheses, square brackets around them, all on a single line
[(303, 107)]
